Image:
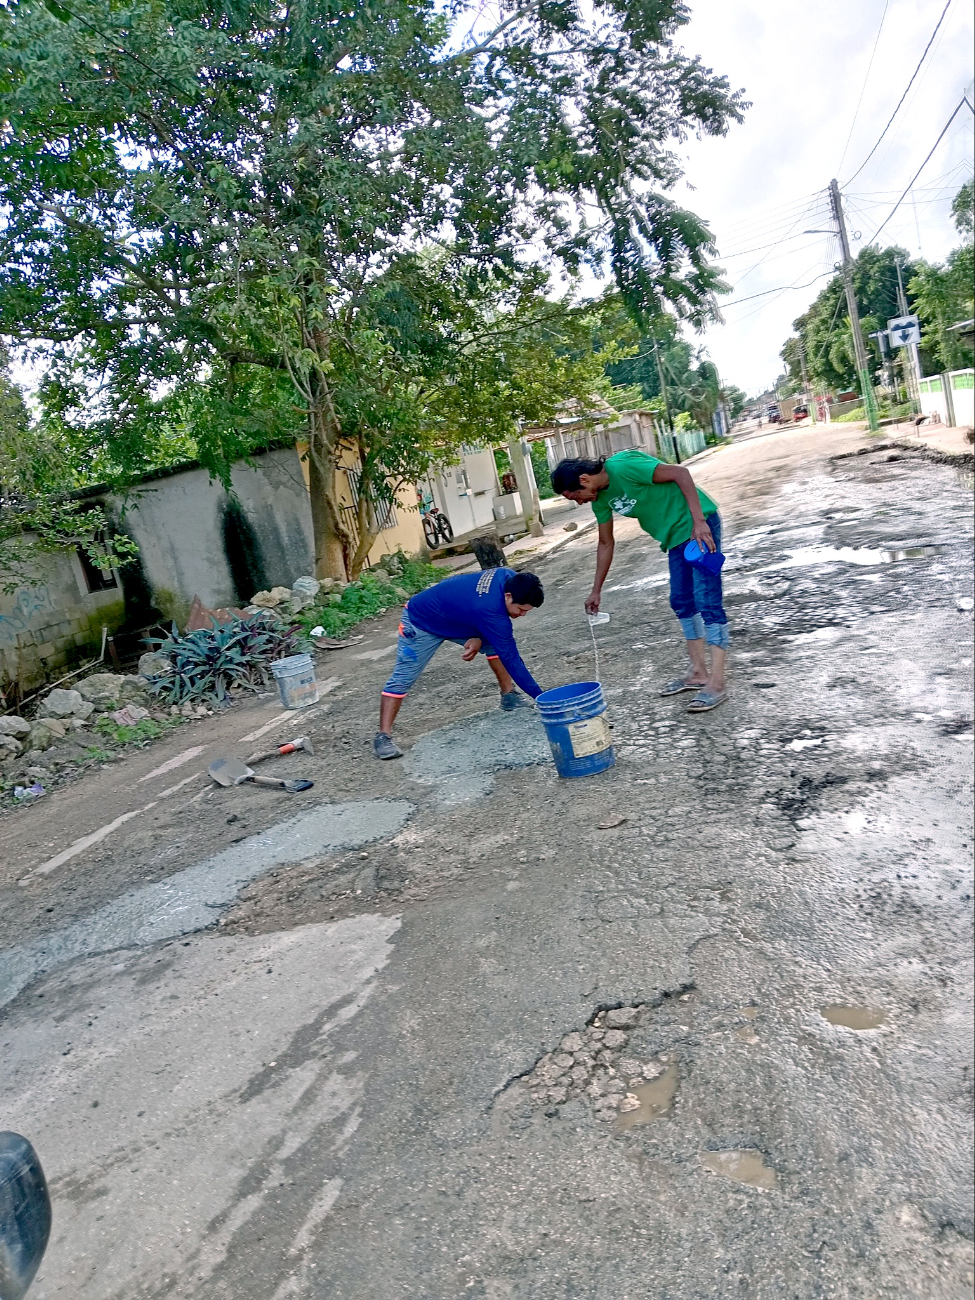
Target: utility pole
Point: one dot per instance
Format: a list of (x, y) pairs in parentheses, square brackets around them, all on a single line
[(859, 347), (912, 372), (663, 394)]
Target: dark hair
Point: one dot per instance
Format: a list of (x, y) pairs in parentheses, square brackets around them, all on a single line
[(525, 589), (565, 476)]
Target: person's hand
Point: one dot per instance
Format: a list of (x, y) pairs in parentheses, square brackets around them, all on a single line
[(592, 602), (471, 648), (702, 535)]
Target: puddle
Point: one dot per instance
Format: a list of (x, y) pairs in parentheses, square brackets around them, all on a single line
[(743, 1166), (461, 759), (798, 745), (868, 555), (853, 1017), (656, 1099), (193, 898)]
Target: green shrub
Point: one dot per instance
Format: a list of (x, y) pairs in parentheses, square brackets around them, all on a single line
[(372, 594), (140, 733), (211, 662)]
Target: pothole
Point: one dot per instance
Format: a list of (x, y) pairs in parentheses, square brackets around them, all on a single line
[(850, 1017), (742, 1166), (806, 556), (597, 1063)]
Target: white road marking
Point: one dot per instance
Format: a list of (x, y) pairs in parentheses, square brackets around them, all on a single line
[(172, 763), (164, 794), (85, 842), (268, 726), (376, 654)]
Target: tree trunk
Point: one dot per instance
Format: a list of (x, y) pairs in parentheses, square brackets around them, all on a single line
[(326, 514)]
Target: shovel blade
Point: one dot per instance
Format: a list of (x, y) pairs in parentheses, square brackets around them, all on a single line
[(229, 771)]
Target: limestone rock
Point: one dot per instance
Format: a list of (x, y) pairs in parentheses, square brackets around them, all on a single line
[(154, 664), (614, 1039), (622, 1018), (103, 690), (9, 745), (572, 1043), (45, 732), (64, 704), (14, 726), (306, 588)]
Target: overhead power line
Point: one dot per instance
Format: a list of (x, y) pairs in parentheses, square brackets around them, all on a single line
[(902, 98), (783, 288), (863, 88), (944, 131)]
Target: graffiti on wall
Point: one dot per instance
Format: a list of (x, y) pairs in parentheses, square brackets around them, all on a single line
[(28, 603)]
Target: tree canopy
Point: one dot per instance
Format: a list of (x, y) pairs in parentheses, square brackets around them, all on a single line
[(255, 220)]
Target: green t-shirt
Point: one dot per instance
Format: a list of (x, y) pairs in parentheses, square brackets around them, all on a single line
[(661, 508)]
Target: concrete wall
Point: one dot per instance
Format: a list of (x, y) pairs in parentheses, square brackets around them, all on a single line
[(466, 492), (54, 623), (196, 540), (961, 411)]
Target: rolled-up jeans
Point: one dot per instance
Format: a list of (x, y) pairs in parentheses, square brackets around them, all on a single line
[(695, 594), (414, 650)]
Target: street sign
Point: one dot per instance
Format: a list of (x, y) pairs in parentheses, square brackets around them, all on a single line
[(904, 330)]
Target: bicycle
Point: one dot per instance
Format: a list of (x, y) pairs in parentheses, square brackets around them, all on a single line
[(436, 525)]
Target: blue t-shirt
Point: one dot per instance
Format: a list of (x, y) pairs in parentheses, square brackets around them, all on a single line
[(472, 604)]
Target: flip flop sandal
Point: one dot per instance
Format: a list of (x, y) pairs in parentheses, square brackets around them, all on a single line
[(705, 700), (678, 684)]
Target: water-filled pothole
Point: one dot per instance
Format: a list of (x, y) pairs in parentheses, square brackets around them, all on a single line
[(648, 1101), (807, 556), (743, 1166), (853, 1017)]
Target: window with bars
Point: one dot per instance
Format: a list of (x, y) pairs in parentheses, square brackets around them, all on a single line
[(383, 511)]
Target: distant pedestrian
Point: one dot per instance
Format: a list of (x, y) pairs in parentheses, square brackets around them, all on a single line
[(668, 506), (474, 610)]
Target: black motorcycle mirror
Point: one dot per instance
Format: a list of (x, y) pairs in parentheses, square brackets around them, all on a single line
[(25, 1215)]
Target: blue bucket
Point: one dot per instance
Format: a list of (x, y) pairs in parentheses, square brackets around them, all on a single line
[(576, 729)]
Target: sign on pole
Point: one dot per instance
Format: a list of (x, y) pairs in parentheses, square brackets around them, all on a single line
[(904, 330)]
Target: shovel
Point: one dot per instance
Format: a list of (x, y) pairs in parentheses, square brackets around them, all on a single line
[(231, 771)]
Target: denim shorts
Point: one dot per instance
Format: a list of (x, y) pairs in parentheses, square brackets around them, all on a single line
[(695, 594), (414, 650)]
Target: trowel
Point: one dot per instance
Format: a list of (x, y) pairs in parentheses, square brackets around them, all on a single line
[(231, 771), (290, 747)]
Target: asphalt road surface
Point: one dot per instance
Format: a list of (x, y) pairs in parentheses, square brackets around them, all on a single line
[(698, 1028)]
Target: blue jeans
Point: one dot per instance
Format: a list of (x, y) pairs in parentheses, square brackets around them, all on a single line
[(414, 650), (695, 595)]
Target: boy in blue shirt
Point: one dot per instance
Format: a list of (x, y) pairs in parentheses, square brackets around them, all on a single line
[(473, 610)]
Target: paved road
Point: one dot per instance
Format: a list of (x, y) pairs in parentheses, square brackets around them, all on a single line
[(387, 1067)]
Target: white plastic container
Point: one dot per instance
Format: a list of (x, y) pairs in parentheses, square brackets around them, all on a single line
[(295, 677)]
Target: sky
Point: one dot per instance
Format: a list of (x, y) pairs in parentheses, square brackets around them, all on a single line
[(823, 78), (804, 67)]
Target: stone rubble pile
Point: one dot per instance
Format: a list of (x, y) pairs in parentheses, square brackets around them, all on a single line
[(594, 1063)]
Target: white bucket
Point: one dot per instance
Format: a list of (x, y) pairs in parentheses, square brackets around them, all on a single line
[(295, 676)]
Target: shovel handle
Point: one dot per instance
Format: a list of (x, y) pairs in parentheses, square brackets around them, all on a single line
[(274, 781)]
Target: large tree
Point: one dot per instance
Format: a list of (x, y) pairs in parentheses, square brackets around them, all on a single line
[(195, 192), (943, 293), (823, 330)]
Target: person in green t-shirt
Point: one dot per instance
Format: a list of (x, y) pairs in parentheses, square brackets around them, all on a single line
[(672, 509)]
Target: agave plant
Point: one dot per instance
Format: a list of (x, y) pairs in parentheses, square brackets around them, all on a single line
[(209, 663)]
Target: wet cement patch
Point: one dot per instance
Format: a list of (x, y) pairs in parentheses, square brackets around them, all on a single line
[(460, 760), (191, 899)]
